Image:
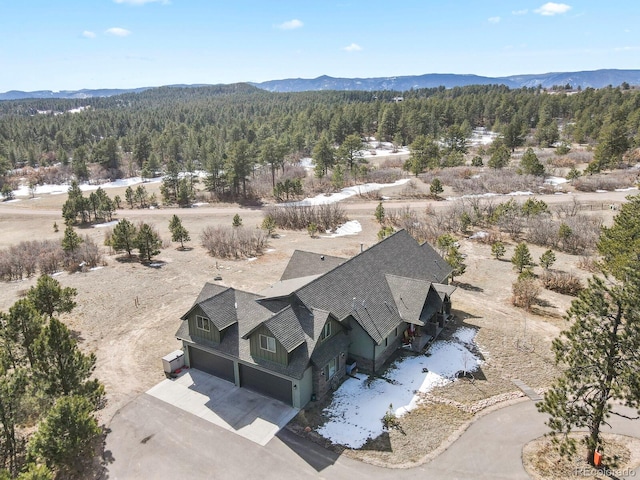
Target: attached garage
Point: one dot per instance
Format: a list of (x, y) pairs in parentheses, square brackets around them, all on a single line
[(212, 364), (266, 383)]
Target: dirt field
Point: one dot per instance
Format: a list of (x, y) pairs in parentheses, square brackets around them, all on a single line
[(129, 337)]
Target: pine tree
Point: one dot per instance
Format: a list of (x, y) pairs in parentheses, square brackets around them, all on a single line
[(380, 213), (436, 187), (147, 241), (237, 221), (269, 224), (48, 297), (61, 367), (456, 261), (123, 237), (530, 163), (619, 245), (497, 250), (547, 259), (178, 232), (66, 435), (522, 257), (600, 355), (71, 240)]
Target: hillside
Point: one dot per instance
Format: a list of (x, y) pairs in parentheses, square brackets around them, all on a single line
[(583, 79)]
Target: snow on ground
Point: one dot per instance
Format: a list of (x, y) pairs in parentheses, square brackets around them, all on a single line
[(479, 234), (516, 194), (628, 189), (374, 148), (351, 227), (347, 192), (24, 190), (555, 180), (106, 224), (481, 136), (356, 411)]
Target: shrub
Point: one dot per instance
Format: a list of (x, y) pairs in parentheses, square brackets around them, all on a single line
[(230, 242), (562, 282), (525, 292), (297, 217)]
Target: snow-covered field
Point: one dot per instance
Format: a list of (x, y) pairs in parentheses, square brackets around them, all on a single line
[(355, 414)]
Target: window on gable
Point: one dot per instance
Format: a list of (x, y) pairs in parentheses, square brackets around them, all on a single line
[(331, 368), (203, 323), (326, 330), (268, 343)]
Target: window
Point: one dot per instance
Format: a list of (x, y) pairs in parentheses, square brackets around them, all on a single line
[(331, 368), (268, 343), (326, 330), (203, 323)]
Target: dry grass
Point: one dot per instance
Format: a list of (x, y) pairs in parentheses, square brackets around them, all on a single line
[(543, 462)]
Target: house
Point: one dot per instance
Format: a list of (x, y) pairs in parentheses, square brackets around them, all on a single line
[(295, 340)]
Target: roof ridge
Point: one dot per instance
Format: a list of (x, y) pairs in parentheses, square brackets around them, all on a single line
[(375, 245)]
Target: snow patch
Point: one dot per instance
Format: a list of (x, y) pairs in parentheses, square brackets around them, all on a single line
[(106, 224), (555, 180), (479, 234), (356, 411), (347, 192), (352, 227)]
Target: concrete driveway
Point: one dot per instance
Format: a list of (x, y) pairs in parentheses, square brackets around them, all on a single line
[(238, 410)]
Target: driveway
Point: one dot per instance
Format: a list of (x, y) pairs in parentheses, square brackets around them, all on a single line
[(151, 439), (238, 410)]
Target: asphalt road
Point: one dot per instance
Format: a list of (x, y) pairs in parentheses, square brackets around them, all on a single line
[(151, 439)]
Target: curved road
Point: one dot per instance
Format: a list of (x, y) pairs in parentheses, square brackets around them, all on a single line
[(151, 439)]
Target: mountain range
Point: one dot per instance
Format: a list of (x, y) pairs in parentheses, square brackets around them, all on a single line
[(583, 79)]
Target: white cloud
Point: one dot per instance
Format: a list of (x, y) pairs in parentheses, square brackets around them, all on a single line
[(520, 12), (118, 32), (88, 34), (290, 24), (494, 19), (141, 2), (549, 9), (354, 47)]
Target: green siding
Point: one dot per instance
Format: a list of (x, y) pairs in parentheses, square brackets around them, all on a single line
[(280, 355), (361, 343), (335, 328), (213, 335), (302, 394)]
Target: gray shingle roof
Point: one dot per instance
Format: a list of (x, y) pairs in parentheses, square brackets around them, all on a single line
[(358, 287), (303, 264), (409, 296), (284, 288)]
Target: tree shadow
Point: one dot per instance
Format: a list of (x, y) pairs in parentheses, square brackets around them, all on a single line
[(468, 287), (184, 249)]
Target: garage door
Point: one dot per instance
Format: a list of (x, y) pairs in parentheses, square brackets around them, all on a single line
[(265, 383), (211, 364)]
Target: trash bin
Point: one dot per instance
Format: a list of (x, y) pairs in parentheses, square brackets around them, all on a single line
[(173, 361)]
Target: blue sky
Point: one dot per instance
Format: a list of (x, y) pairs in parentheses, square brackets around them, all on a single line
[(74, 44)]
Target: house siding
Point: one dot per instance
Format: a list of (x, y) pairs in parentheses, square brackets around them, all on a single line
[(280, 355), (213, 335), (302, 394), (335, 328), (322, 385)]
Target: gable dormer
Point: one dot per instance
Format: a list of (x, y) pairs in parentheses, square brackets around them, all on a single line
[(210, 316)]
